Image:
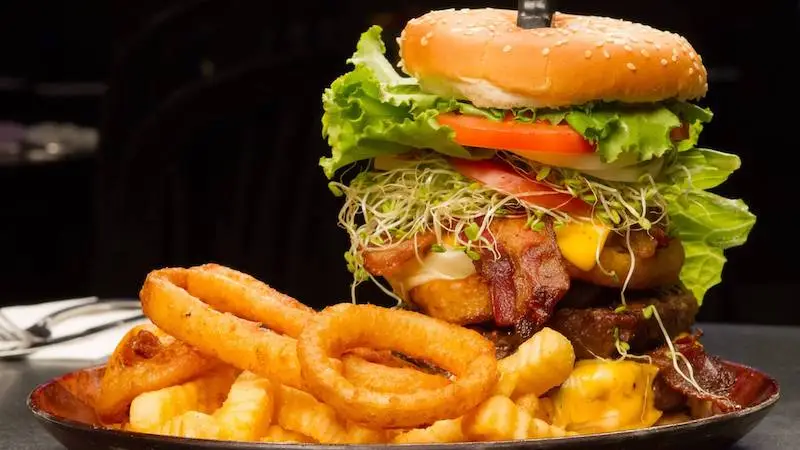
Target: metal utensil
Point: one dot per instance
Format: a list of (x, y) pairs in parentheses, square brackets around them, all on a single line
[(533, 14), (12, 337), (23, 350)]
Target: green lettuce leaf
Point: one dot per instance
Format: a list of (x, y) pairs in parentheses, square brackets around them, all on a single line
[(707, 224), (373, 111), (702, 168)]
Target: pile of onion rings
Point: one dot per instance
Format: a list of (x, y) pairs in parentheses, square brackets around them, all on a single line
[(233, 318)]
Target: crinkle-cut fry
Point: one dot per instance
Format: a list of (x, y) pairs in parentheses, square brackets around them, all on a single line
[(539, 407), (444, 431), (238, 342), (541, 363), (244, 296), (276, 433), (146, 359), (247, 411), (377, 377), (499, 419), (192, 424), (151, 410), (300, 412)]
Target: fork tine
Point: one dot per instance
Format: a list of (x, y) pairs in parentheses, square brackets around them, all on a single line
[(10, 331)]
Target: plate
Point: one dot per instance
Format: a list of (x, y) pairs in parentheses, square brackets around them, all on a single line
[(62, 407)]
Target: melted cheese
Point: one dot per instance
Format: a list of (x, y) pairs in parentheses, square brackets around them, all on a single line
[(448, 265), (579, 241), (603, 396)]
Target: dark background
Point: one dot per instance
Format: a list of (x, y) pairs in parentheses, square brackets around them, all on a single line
[(208, 113)]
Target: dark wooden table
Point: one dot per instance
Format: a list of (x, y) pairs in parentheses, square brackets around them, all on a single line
[(775, 350)]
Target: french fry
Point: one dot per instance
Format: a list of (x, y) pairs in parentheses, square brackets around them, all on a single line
[(192, 424), (443, 431), (539, 407), (499, 418), (541, 363), (275, 433), (150, 410), (247, 411)]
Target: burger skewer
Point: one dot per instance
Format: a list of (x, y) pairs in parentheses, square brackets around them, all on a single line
[(533, 14)]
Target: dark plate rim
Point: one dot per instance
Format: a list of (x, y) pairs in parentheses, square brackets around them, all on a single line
[(233, 445)]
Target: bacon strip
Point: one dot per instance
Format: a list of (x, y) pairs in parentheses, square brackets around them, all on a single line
[(387, 262), (528, 278), (727, 388)]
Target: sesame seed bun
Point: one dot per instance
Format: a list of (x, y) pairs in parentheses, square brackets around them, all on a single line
[(482, 56)]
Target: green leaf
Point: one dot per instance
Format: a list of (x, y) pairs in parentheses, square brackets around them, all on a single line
[(373, 111), (702, 168), (643, 132), (471, 231), (707, 224), (695, 116)]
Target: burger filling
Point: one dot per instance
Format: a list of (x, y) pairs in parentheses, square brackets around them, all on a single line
[(594, 219)]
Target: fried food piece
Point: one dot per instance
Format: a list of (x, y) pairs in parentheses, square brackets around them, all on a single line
[(234, 292), (442, 431), (462, 352), (150, 410), (500, 419), (460, 302), (661, 269), (377, 377), (191, 424), (247, 411), (240, 343), (300, 412), (146, 359), (541, 408), (275, 433), (542, 362)]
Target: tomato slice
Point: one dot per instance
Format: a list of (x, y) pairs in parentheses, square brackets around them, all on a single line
[(504, 178), (515, 136)]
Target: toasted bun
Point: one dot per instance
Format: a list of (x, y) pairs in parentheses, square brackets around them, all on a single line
[(482, 56)]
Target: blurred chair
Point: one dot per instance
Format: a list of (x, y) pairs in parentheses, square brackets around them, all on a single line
[(210, 144)]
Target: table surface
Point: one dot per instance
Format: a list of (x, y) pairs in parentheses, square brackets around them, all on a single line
[(772, 349)]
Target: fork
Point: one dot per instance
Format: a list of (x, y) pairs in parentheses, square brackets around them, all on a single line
[(13, 338)]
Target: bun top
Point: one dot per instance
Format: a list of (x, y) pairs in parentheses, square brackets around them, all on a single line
[(482, 56)]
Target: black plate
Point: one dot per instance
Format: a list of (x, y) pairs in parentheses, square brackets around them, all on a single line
[(62, 407)]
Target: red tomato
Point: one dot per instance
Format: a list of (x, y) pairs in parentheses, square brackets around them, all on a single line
[(504, 178), (515, 136)]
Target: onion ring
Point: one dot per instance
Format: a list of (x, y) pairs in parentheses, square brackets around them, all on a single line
[(383, 378), (465, 353), (238, 342), (146, 359), (234, 292)]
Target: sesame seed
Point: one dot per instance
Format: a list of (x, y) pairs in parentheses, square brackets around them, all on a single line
[(587, 54), (429, 34), (631, 66), (674, 51), (545, 51), (506, 49), (456, 30), (696, 65), (424, 41), (691, 55), (691, 70), (628, 48), (606, 54), (674, 58), (645, 54), (610, 40), (561, 42), (699, 78), (600, 43), (648, 40)]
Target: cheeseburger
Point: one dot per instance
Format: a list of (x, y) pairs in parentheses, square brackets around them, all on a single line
[(508, 179)]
